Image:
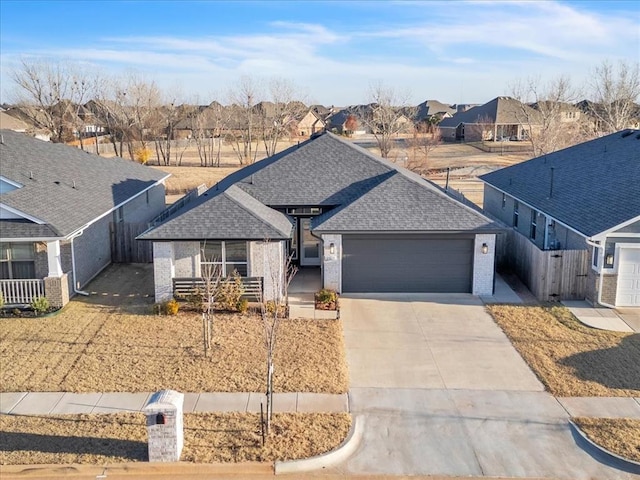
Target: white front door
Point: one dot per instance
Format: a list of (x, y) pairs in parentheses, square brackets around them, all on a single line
[(309, 245), (628, 293)]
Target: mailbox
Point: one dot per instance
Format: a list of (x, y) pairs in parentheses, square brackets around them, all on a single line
[(165, 426)]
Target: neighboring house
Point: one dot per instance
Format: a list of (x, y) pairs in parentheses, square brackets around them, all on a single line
[(56, 206), (585, 197), (7, 122), (310, 124), (503, 118), (369, 225), (336, 122), (433, 111)]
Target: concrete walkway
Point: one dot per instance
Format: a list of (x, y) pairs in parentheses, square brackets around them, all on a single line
[(52, 403), (605, 318)]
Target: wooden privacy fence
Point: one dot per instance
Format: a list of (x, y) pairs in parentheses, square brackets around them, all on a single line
[(551, 275), (124, 246)]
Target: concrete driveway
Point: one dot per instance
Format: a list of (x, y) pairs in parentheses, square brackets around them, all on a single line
[(441, 391)]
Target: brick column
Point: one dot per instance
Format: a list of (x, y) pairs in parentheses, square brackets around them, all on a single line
[(56, 290)]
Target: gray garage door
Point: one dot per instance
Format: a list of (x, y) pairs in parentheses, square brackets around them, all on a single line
[(407, 264)]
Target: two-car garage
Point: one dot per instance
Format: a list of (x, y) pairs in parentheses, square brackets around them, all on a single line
[(407, 263)]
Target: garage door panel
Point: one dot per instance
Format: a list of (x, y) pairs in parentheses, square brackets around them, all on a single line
[(628, 289), (397, 264)]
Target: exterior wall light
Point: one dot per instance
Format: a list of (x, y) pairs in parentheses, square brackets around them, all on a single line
[(609, 259), (485, 249), (332, 248)]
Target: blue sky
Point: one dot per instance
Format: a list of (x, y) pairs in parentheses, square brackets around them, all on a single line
[(453, 51)]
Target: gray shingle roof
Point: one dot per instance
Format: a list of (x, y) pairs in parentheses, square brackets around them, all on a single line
[(402, 204), (596, 184), (48, 173), (500, 110), (370, 193), (224, 215), (25, 229)]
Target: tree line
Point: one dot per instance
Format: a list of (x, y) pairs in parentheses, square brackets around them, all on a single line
[(62, 98)]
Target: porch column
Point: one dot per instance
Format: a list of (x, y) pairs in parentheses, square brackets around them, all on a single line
[(163, 270), (332, 262), (483, 264), (53, 259)]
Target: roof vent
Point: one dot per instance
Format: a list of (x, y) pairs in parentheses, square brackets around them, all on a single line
[(627, 133), (57, 182), (638, 136)]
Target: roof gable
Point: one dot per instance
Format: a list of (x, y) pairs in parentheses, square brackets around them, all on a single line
[(591, 187), (225, 215)]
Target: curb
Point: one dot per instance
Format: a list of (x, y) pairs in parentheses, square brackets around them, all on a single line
[(340, 454), (613, 460)]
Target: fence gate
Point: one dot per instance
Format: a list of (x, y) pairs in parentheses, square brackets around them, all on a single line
[(124, 246)]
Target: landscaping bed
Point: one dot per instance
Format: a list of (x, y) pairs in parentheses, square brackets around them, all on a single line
[(617, 435), (572, 360), (208, 438)]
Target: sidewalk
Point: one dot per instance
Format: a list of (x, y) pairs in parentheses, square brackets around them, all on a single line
[(53, 403), (603, 318)]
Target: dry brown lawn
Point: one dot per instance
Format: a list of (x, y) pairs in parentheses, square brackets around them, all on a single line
[(572, 360), (110, 342), (618, 435), (208, 438)]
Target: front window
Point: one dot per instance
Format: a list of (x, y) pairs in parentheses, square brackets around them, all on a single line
[(17, 261), (228, 255)]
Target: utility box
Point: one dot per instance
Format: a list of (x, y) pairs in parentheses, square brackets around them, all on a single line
[(165, 426)]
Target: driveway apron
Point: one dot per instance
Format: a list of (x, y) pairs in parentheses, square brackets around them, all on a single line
[(442, 391)]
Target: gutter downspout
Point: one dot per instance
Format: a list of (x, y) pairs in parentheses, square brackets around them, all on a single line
[(73, 267), (600, 280)]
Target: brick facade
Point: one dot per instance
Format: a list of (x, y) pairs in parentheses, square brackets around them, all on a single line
[(332, 263), (483, 264), (57, 290)]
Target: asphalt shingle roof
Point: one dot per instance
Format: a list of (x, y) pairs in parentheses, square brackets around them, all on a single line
[(402, 204), (364, 193), (64, 186), (596, 184), (225, 215), (500, 110)]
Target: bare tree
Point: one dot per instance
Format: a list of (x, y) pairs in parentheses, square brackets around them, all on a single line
[(130, 108), (424, 141), (52, 94), (547, 111), (278, 116), (244, 98), (615, 92), (211, 273), (388, 115), (272, 312)]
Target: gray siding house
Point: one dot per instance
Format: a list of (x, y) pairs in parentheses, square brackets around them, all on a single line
[(585, 197), (368, 225), (56, 204)]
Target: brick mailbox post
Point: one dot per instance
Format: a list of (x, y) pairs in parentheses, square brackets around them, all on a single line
[(165, 426)]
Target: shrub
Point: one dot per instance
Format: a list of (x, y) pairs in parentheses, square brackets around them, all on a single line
[(40, 305), (142, 155), (171, 307), (230, 292), (270, 308), (243, 305), (196, 301), (326, 296)]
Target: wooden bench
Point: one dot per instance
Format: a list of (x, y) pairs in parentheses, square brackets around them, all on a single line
[(252, 287)]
